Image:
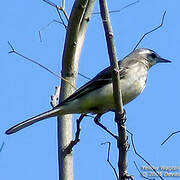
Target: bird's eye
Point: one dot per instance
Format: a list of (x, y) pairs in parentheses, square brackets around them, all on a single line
[(153, 55)]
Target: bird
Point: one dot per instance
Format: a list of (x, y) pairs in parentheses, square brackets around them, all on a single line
[(96, 96)]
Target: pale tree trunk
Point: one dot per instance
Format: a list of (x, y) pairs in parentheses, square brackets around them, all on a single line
[(78, 21)]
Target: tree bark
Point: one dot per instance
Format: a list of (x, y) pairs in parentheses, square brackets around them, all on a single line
[(77, 25)]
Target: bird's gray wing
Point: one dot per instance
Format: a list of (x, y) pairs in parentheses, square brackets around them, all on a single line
[(101, 79)]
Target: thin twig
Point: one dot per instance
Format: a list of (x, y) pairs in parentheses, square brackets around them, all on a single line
[(84, 76), (169, 137), (63, 3), (134, 148), (108, 159), (50, 3), (141, 173), (116, 11), (2, 145), (69, 148), (61, 18), (43, 28), (35, 62), (64, 12), (40, 37), (62, 8), (97, 121), (161, 24)]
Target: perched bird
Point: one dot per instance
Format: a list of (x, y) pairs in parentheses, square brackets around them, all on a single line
[(96, 96)]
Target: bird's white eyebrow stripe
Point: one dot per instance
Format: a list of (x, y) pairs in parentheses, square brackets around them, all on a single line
[(145, 52)]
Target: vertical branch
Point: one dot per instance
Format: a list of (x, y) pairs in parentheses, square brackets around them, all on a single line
[(122, 146), (75, 35), (119, 114), (112, 56)]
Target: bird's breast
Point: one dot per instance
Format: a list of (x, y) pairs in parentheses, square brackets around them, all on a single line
[(133, 84)]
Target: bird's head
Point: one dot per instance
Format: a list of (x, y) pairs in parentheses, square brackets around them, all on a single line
[(147, 56)]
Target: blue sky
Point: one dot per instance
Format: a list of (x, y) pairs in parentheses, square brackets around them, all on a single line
[(26, 89)]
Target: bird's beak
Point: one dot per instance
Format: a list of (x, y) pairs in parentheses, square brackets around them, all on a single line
[(161, 60)]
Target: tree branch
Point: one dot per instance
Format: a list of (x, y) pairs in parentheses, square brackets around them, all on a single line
[(37, 63), (149, 32), (169, 137), (119, 10), (69, 148), (108, 159), (97, 121), (2, 146), (43, 28), (61, 8), (141, 173), (75, 35), (119, 114), (135, 151)]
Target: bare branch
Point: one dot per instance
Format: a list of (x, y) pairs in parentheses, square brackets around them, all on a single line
[(97, 121), (134, 148), (108, 159), (61, 18), (122, 145), (169, 137), (35, 62), (120, 116), (89, 116), (115, 11), (50, 3), (141, 173), (84, 76), (63, 3), (112, 56), (62, 8), (156, 28), (69, 148), (44, 67), (40, 37), (2, 146), (43, 28)]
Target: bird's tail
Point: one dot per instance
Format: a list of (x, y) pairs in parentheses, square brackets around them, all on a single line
[(28, 122)]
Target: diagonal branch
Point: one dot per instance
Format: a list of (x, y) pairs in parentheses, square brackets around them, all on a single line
[(35, 62), (62, 8), (141, 173), (117, 11), (97, 121), (2, 146), (43, 28), (135, 151), (169, 137), (149, 32), (61, 18)]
